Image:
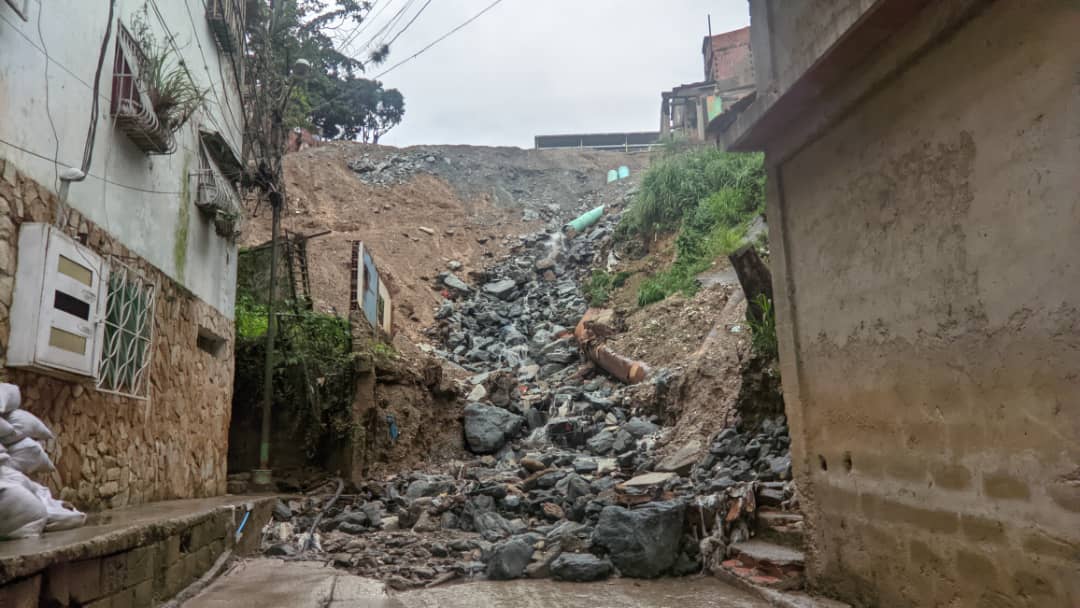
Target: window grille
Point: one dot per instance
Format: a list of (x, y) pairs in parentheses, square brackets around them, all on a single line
[(129, 333)]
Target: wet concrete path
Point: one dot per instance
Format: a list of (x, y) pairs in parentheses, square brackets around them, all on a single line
[(266, 583)]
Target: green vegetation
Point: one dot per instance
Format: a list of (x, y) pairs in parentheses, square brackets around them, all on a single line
[(314, 368), (710, 196), (763, 333), (598, 290)]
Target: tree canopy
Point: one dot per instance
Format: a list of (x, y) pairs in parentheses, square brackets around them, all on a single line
[(335, 99)]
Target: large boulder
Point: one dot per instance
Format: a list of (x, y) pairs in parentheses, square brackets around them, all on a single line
[(644, 542), (509, 559), (488, 428), (579, 567)]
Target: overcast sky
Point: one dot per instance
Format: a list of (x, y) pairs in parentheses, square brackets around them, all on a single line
[(530, 67)]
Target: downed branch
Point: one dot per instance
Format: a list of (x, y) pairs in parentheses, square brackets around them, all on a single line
[(591, 332)]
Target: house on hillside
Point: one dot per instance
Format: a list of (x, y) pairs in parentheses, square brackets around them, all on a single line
[(117, 239), (922, 198), (687, 110)]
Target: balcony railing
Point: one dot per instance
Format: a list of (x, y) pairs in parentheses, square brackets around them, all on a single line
[(130, 107), (215, 195), (226, 19)]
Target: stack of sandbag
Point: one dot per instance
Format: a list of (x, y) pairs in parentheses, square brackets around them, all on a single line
[(26, 507)]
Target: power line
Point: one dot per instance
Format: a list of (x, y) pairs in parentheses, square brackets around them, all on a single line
[(411, 21), (382, 31), (95, 176), (334, 98), (438, 40), (362, 26), (183, 64)]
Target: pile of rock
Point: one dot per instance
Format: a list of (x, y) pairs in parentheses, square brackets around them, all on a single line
[(392, 169), (569, 481)]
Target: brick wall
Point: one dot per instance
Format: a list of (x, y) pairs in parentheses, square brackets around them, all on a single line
[(728, 60), (110, 450)]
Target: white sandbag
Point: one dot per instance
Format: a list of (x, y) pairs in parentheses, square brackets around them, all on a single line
[(30, 425), (10, 398), (22, 514), (58, 514), (8, 434), (29, 457)]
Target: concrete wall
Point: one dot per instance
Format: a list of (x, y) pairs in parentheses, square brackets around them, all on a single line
[(925, 250), (113, 451), (788, 37), (143, 201)]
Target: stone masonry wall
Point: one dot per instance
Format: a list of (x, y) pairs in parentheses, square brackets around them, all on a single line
[(110, 450), (929, 317)]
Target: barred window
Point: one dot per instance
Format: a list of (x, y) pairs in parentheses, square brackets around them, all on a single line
[(129, 333)]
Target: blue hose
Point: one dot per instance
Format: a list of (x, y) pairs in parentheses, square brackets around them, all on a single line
[(243, 522)]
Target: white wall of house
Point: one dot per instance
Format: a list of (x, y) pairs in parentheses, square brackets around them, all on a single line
[(146, 202)]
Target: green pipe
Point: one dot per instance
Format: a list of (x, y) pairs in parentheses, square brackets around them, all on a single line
[(586, 219)]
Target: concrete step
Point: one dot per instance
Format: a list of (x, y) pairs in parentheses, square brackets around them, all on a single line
[(766, 564), (781, 527)]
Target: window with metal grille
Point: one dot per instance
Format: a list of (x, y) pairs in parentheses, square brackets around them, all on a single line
[(129, 333)]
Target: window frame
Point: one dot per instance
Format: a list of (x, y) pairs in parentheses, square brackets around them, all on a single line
[(117, 377)]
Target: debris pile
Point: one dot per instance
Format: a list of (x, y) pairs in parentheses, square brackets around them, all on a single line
[(392, 169), (572, 477), (27, 508)]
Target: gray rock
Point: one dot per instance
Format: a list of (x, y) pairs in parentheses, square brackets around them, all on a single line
[(573, 486), (509, 559), (623, 441), (429, 486), (602, 442), (488, 428), (579, 568), (454, 265), (500, 289), (643, 543), (585, 466), (455, 283), (281, 550), (682, 460), (492, 526), (446, 309), (780, 467), (639, 427), (282, 512)]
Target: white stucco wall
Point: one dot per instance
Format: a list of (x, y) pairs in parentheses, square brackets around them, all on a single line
[(146, 202)]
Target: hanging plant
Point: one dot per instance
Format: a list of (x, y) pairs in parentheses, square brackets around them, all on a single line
[(164, 78)]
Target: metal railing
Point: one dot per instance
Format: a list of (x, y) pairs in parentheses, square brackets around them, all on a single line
[(226, 19), (130, 107)]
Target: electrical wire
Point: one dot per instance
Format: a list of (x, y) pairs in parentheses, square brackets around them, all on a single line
[(411, 21), (183, 64), (108, 181), (206, 67), (48, 112), (438, 40), (382, 31), (334, 98), (362, 26)]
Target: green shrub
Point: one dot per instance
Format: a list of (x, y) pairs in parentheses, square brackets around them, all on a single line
[(763, 333), (601, 283), (712, 196), (251, 319)]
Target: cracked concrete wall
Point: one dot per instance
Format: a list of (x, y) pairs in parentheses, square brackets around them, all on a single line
[(929, 314)]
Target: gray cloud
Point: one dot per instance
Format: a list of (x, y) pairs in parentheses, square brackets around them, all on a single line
[(532, 67)]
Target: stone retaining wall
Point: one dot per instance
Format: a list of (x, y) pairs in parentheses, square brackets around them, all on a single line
[(113, 451)]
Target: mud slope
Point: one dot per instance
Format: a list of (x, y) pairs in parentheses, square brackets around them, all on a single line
[(469, 197)]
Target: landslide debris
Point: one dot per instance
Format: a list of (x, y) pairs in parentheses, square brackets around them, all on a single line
[(460, 212), (572, 475)]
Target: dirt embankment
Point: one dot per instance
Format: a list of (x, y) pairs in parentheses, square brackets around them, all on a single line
[(469, 197)]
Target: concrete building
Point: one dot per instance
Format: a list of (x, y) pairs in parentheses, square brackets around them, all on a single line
[(923, 208), (687, 110), (131, 362)]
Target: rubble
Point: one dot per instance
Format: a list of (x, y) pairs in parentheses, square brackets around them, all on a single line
[(570, 476)]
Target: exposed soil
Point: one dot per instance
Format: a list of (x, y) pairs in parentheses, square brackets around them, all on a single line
[(470, 198)]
